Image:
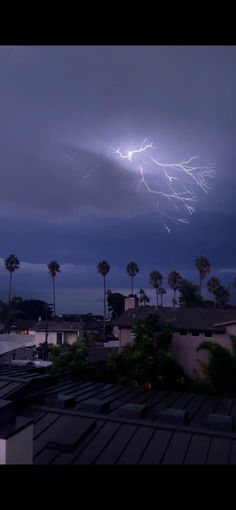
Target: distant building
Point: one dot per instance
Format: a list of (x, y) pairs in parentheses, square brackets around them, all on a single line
[(58, 333), (190, 327)]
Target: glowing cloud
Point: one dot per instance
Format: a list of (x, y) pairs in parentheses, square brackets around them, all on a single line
[(177, 184)]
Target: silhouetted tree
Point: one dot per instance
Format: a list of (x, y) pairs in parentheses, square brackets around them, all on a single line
[(104, 268), (143, 297), (116, 304), (53, 268), (203, 266), (12, 263), (162, 291), (132, 269), (189, 295), (155, 281), (174, 281)]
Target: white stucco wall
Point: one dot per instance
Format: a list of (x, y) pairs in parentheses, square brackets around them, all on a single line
[(40, 337), (18, 449), (70, 338)]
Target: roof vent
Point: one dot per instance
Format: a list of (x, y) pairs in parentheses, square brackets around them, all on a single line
[(95, 405), (133, 410), (61, 401), (219, 421), (172, 415)]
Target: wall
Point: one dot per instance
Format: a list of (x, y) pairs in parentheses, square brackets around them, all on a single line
[(184, 348), (40, 337), (125, 337), (131, 302), (70, 338)]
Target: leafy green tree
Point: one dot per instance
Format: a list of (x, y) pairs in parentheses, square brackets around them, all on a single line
[(64, 364), (203, 266), (104, 268), (132, 270), (155, 281), (220, 372), (174, 281), (12, 263), (53, 269), (147, 359), (189, 295)]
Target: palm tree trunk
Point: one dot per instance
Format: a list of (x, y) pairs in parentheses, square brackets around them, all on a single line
[(54, 300), (174, 297), (104, 318), (157, 297), (9, 300), (132, 285), (161, 300), (200, 286)]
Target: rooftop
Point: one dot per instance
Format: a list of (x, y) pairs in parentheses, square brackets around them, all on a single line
[(181, 318), (77, 436), (57, 326)]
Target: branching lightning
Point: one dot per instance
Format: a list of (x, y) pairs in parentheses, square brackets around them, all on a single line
[(178, 184)]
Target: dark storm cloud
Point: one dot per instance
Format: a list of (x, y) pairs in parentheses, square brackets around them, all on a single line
[(64, 195)]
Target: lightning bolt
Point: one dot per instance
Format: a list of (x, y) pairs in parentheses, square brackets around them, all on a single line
[(179, 193)]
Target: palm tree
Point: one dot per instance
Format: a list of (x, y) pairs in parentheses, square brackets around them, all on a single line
[(12, 263), (104, 268), (174, 281), (155, 281), (132, 269), (53, 268), (143, 297), (203, 266), (162, 291), (220, 293)]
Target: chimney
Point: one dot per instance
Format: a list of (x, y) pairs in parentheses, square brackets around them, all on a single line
[(16, 436), (131, 302)]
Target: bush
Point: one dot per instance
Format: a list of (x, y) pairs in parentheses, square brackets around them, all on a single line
[(221, 370)]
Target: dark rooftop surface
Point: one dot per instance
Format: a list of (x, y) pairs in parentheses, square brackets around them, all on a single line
[(57, 326), (99, 435), (181, 318), (97, 423)]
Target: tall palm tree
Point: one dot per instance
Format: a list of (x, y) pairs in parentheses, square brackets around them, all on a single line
[(53, 268), (12, 263), (203, 266), (132, 269), (162, 291), (174, 281), (213, 286), (104, 268), (155, 281)]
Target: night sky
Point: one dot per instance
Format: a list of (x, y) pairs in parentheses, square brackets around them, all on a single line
[(65, 196)]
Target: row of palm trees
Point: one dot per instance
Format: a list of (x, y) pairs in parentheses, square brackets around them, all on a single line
[(174, 280), (12, 263)]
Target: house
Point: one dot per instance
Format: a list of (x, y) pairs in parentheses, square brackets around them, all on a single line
[(21, 326), (16, 347), (190, 327), (58, 333)]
